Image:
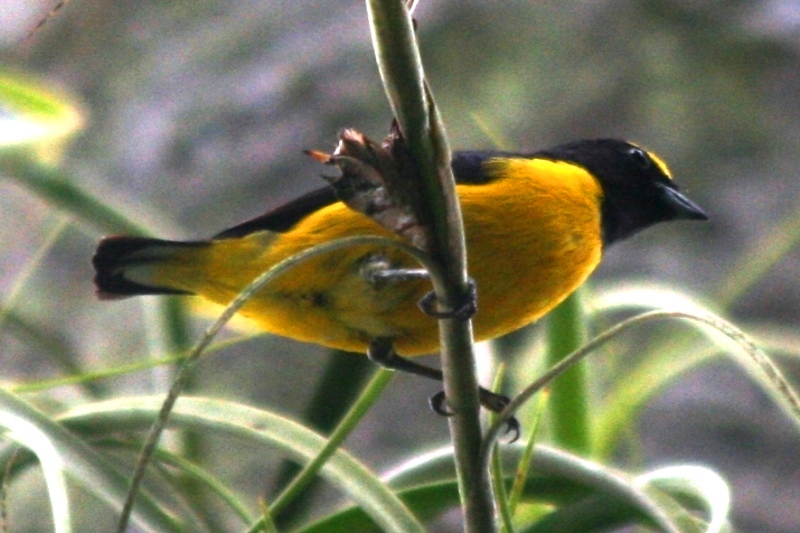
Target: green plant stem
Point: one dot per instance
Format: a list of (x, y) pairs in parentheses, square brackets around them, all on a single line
[(341, 383), (569, 403), (61, 190), (293, 490), (366, 400), (403, 78)]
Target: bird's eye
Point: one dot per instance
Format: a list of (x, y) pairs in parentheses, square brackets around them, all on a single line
[(639, 157)]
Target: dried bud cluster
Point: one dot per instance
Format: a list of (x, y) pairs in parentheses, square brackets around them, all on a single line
[(380, 181)]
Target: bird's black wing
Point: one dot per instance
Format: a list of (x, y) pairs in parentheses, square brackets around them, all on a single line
[(468, 165), (282, 218), (467, 168)]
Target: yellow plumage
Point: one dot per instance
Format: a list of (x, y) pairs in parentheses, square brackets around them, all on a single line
[(521, 272), (535, 229)]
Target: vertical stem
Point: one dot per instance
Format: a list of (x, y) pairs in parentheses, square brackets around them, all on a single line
[(568, 403), (412, 103)]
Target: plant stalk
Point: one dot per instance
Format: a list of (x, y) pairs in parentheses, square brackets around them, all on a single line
[(412, 103)]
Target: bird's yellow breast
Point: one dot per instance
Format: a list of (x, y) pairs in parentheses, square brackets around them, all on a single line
[(533, 236)]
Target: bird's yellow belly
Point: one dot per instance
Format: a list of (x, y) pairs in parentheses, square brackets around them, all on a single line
[(514, 289)]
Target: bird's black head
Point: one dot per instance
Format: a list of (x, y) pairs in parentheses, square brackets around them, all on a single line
[(637, 188)]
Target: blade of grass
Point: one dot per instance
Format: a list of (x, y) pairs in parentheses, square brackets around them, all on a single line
[(525, 461), (204, 478), (755, 361), (259, 428), (141, 365), (645, 379), (56, 349), (85, 466), (365, 401), (641, 384), (498, 481), (700, 484), (338, 388), (569, 394), (369, 395), (35, 116), (60, 190), (27, 434), (586, 492), (189, 468), (52, 234)]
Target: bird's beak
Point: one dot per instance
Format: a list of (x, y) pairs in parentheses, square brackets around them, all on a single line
[(682, 207)]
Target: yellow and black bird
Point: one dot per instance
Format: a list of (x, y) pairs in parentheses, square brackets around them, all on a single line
[(536, 227)]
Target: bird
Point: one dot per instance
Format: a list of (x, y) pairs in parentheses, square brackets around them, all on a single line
[(536, 225)]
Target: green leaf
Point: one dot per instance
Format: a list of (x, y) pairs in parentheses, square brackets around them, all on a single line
[(260, 428), (588, 496), (701, 485), (32, 114), (62, 453), (662, 366), (426, 501)]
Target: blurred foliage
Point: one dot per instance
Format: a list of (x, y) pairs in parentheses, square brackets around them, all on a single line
[(196, 114)]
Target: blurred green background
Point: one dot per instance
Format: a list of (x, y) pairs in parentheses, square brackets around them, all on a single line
[(198, 112)]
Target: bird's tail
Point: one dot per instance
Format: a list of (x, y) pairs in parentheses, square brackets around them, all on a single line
[(124, 266)]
